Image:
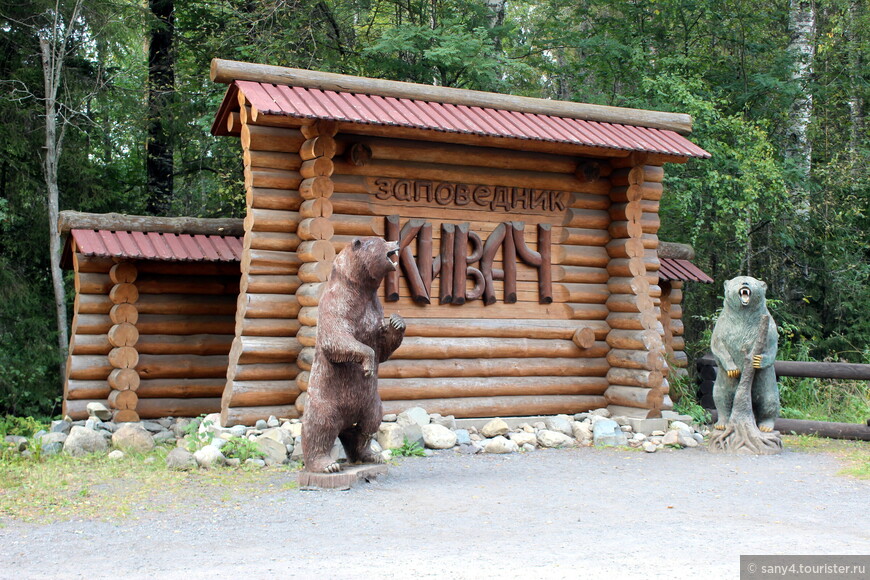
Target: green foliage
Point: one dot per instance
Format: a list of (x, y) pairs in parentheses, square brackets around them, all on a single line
[(242, 448), (23, 426), (194, 439), (684, 393), (409, 449)]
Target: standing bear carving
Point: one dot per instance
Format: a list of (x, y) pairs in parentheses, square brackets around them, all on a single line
[(352, 339), (735, 333)]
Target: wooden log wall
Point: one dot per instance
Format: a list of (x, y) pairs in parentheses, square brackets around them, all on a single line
[(464, 357), (281, 236), (150, 339), (638, 386), (671, 316)]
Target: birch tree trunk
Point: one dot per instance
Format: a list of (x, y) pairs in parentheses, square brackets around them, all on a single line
[(53, 41), (799, 149), (161, 91)]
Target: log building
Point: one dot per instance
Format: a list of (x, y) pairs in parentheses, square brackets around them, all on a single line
[(531, 279)]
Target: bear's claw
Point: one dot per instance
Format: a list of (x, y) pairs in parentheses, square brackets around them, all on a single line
[(720, 426)]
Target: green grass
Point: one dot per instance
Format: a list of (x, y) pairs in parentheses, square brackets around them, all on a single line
[(825, 399), (60, 487), (855, 455)]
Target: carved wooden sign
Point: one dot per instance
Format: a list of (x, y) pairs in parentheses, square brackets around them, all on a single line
[(455, 263), (486, 197)]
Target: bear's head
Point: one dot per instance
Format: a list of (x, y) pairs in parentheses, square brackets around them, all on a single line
[(366, 261), (745, 292)]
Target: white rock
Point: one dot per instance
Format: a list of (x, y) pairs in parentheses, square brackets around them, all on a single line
[(639, 437), (499, 444), (275, 450), (413, 416), (560, 424), (649, 446), (547, 438), (678, 426), (601, 413), (437, 436), (582, 432), (390, 418), (528, 447), (209, 456), (132, 437), (272, 421), (658, 433), (671, 438), (82, 441), (295, 429), (495, 428), (390, 436), (524, 438), (527, 428), (116, 454), (99, 410)]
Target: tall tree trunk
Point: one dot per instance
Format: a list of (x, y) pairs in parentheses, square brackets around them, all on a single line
[(856, 103), (799, 149), (161, 91), (53, 41)]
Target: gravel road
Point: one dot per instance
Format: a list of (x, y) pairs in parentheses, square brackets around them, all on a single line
[(572, 513)]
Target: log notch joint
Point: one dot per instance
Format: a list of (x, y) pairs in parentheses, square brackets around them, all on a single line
[(123, 335)]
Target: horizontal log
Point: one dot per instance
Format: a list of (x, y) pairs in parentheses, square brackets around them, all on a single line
[(90, 344), (88, 367), (311, 272), (588, 312), (591, 256), (272, 220), (629, 303), (264, 372), (261, 393), (493, 367), (226, 71), (629, 396), (823, 370), (587, 218), (271, 284), (272, 179), (451, 348), (124, 334), (181, 388), (441, 388), (358, 225), (476, 309), (676, 251), (267, 326), (305, 359), (272, 160), (279, 241), (121, 313), (186, 366), (268, 262), (649, 224), (264, 349), (163, 304), (635, 377), (272, 306), (76, 390), (636, 359), (258, 138), (505, 406), (634, 339), (199, 344), (231, 416), (580, 274), (581, 236), (125, 357), (584, 337), (75, 220), (496, 328), (181, 407), (634, 321), (159, 284), (77, 409)]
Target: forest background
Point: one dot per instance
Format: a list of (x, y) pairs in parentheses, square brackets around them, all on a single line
[(106, 105)]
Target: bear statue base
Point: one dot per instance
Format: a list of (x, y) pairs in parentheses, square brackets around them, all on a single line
[(341, 480)]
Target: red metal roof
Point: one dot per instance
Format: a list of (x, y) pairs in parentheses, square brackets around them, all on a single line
[(682, 270), (312, 103), (158, 246)]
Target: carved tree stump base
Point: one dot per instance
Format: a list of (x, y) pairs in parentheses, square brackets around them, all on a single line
[(745, 438), (341, 481)]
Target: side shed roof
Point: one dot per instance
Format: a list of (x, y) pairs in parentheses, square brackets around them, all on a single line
[(158, 246)]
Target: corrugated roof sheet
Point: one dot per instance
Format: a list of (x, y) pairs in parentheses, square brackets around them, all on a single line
[(308, 103), (158, 246), (681, 270)]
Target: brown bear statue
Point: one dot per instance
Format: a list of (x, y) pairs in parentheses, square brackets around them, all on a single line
[(352, 338)]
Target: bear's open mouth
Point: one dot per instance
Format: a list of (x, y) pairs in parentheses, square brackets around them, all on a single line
[(745, 295)]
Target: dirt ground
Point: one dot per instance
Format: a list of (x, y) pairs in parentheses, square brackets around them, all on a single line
[(572, 513)]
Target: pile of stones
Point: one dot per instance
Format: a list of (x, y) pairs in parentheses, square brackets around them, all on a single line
[(200, 443), (511, 435)]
